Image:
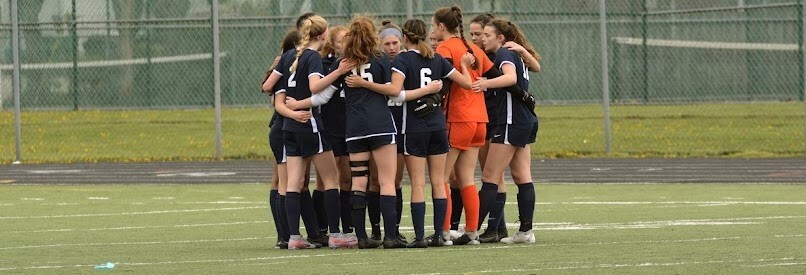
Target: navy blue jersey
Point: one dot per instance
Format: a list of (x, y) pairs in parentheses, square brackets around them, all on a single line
[(298, 86), (333, 112), (418, 72), (276, 121), (367, 112), (510, 110), (490, 98)]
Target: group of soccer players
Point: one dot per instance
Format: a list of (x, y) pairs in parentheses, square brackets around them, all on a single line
[(363, 103)]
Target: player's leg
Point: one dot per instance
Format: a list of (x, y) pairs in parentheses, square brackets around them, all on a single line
[(522, 175), (373, 201), (325, 164), (296, 170), (497, 160), (308, 211), (401, 163), (360, 172), (318, 197), (416, 168), (386, 161), (465, 174)]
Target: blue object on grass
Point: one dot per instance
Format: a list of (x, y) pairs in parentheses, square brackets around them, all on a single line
[(108, 265)]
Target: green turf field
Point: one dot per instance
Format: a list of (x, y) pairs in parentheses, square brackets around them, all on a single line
[(697, 130), (226, 229)]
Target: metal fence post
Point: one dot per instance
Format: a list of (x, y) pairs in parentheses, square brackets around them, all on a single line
[(605, 73), (15, 56), (216, 78), (802, 49), (74, 70)]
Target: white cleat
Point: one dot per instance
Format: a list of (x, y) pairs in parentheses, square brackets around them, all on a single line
[(520, 237)]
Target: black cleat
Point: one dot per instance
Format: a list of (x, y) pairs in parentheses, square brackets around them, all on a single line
[(393, 243), (319, 241), (436, 241), (417, 243), (281, 244), (489, 236), (376, 233), (502, 233), (367, 243), (465, 239), (401, 237)]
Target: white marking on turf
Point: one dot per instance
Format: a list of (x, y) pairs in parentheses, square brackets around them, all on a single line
[(139, 227), (162, 198), (32, 199), (197, 174), (132, 243), (54, 171), (97, 198), (235, 198), (133, 213)]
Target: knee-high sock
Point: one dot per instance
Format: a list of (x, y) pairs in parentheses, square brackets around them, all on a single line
[(358, 203), (496, 212), (319, 208), (374, 209), (449, 209), (346, 216), (440, 207), (333, 210), (283, 218), (399, 208), (388, 211), (502, 221), (418, 219), (308, 214), (456, 206), (526, 205), (470, 199), (273, 197), (292, 208), (486, 200)]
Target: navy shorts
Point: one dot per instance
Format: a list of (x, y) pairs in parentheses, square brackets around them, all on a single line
[(304, 144), (277, 145), (400, 146), (518, 135), (338, 144), (370, 143), (426, 144)]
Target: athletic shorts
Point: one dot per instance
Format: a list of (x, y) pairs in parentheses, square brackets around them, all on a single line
[(464, 135), (426, 144), (518, 135), (370, 143), (400, 146), (338, 144), (277, 145), (304, 144)]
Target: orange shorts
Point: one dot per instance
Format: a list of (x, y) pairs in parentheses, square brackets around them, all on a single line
[(464, 135)]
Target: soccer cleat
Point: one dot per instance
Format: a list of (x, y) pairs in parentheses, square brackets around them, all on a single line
[(340, 241), (367, 243), (376, 233), (435, 241), (296, 243), (446, 238), (467, 239), (401, 237), (520, 237), (281, 244), (417, 243), (489, 236), (319, 241), (454, 234), (394, 242), (502, 233)]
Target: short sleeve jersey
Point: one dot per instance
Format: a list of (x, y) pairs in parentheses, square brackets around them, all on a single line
[(297, 85), (367, 112), (464, 105), (510, 110), (333, 112), (418, 72)]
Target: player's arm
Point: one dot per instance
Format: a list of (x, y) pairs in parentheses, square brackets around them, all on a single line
[(282, 109), (315, 100), (274, 77), (531, 62), (355, 81), (509, 78), (319, 83), (407, 95), (516, 91)]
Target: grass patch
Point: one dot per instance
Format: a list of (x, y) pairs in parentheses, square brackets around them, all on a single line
[(702, 130), (592, 229)]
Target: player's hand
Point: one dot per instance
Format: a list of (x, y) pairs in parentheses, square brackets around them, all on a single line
[(301, 116), (468, 59), (426, 105), (292, 103), (515, 47), (354, 81), (345, 66), (434, 86), (480, 85)]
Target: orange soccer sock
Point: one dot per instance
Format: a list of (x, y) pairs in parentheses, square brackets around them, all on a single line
[(470, 198), (447, 224)]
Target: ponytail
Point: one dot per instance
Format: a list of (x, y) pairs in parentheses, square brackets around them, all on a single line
[(452, 18), (414, 30)]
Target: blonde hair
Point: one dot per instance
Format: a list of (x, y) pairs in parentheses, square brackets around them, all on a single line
[(415, 31), (311, 27), (331, 39)]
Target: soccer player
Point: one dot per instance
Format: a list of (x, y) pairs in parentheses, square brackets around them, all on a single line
[(301, 70), (515, 126)]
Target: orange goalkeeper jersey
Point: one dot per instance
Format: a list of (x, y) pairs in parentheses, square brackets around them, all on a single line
[(464, 105)]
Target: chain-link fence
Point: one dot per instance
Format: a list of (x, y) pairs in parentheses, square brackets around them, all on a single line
[(157, 54)]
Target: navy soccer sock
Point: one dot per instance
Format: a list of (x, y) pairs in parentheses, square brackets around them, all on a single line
[(526, 205), (440, 207), (292, 208), (496, 212), (346, 218), (374, 209), (456, 208), (418, 219), (399, 208), (388, 212), (486, 200), (283, 218), (319, 208), (358, 201), (308, 214), (333, 209)]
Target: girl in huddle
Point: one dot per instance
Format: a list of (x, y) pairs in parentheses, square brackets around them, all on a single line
[(278, 189), (515, 126), (371, 131), (301, 72)]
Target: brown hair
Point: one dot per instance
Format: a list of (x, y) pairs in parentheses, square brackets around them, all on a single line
[(483, 19), (451, 17), (362, 40), (511, 32), (415, 31), (312, 27), (303, 17), (331, 39), (290, 40), (386, 23)]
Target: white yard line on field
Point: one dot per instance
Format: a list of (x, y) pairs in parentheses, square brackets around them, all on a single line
[(139, 227), (133, 213), (131, 243)]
